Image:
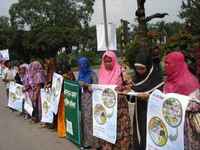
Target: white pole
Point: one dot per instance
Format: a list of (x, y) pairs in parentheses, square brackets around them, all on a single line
[(105, 23)]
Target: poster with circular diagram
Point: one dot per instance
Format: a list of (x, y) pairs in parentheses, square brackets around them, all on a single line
[(16, 97), (56, 91), (158, 131), (104, 99), (47, 115), (172, 112)]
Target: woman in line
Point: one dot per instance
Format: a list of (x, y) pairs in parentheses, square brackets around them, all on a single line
[(36, 81), (65, 70), (9, 75), (85, 77), (180, 80), (147, 79), (110, 73), (22, 78), (178, 77)]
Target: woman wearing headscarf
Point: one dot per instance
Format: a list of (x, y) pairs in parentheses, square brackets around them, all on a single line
[(23, 73), (36, 81), (65, 70), (180, 80), (146, 80), (178, 77), (22, 78), (9, 75), (110, 73), (86, 77)]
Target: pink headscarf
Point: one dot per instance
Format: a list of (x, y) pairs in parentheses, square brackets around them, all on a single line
[(110, 76), (178, 78)]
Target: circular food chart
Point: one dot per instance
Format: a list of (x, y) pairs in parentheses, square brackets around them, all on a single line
[(158, 131), (172, 112), (100, 114), (108, 98)]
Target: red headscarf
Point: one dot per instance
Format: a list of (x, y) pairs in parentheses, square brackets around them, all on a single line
[(178, 78), (110, 76)]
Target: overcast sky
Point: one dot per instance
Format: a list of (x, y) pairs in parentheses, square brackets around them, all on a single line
[(125, 9)]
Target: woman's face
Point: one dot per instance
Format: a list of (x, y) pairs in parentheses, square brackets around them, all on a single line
[(169, 67), (141, 70), (83, 65), (108, 63), (21, 71)]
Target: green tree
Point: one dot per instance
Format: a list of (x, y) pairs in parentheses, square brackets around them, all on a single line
[(190, 12), (53, 23), (5, 32), (143, 19)]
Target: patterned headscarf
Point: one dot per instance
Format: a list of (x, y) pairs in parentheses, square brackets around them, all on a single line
[(36, 73)]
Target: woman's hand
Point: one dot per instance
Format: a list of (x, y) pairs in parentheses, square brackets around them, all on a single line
[(23, 89), (122, 89), (143, 96), (48, 86)]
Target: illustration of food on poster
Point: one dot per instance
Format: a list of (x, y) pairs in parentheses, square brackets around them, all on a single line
[(104, 99), (47, 114), (165, 121), (56, 91), (16, 96), (72, 111)]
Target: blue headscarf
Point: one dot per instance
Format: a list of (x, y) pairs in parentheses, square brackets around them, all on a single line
[(84, 70)]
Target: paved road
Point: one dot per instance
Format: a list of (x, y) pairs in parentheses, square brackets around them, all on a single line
[(19, 134)]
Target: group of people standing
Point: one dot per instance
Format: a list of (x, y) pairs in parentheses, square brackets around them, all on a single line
[(148, 76)]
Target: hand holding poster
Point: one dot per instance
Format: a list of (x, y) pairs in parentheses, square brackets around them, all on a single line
[(47, 115), (165, 121), (56, 91), (104, 99), (16, 96)]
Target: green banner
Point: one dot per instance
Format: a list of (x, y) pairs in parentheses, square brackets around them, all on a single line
[(72, 111)]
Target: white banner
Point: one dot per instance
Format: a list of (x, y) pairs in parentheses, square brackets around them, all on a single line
[(28, 107), (112, 40), (4, 54), (47, 115), (104, 99), (16, 96), (56, 91), (165, 121)]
